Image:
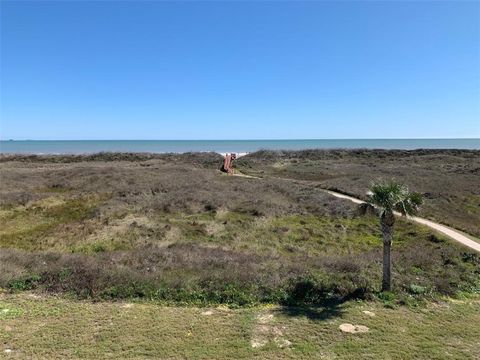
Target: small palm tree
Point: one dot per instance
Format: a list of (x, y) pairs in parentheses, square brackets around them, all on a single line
[(389, 197)]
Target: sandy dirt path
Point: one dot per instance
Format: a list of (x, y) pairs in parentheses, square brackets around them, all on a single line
[(451, 233)]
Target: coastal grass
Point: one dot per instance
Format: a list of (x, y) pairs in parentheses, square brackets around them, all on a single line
[(448, 179), (37, 326), (161, 256), (221, 256), (72, 226), (149, 228), (27, 227)]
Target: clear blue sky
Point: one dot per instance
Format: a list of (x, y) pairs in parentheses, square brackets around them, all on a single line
[(239, 70)]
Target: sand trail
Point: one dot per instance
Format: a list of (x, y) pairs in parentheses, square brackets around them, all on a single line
[(448, 231)]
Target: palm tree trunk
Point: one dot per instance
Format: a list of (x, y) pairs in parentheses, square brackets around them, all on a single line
[(387, 233)]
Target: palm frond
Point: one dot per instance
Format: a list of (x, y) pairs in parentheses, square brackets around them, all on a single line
[(391, 196), (410, 204)]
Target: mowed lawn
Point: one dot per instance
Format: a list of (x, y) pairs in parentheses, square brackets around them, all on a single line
[(34, 326)]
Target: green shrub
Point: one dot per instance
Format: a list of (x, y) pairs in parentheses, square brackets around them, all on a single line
[(417, 289), (26, 283)]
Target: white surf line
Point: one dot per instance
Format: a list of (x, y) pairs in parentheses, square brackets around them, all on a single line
[(239, 154), (451, 233)]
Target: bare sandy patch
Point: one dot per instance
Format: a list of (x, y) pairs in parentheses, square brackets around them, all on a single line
[(266, 331), (118, 228), (353, 329), (48, 202), (213, 228)]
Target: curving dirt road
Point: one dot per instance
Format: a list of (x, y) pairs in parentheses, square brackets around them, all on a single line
[(451, 233)]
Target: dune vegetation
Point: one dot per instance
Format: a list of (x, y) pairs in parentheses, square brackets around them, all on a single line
[(448, 179), (171, 229)]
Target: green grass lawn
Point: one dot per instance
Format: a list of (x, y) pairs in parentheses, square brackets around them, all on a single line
[(33, 326)]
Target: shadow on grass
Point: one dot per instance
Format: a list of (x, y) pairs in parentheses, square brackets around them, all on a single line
[(322, 312)]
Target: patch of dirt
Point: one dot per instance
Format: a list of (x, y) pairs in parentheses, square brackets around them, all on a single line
[(266, 331), (224, 308), (173, 234), (256, 343), (281, 343), (353, 329), (119, 227), (48, 202), (34, 296), (214, 228)]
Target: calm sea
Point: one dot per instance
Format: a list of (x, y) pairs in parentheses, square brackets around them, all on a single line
[(160, 146)]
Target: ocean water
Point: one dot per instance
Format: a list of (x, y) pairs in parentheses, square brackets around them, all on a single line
[(240, 146)]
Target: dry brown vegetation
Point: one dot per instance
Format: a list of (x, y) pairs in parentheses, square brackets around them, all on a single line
[(173, 228), (448, 179)]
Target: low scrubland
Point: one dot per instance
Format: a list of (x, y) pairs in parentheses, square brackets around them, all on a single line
[(172, 228), (448, 179)]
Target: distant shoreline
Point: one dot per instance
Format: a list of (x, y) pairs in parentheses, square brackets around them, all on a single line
[(78, 147)]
